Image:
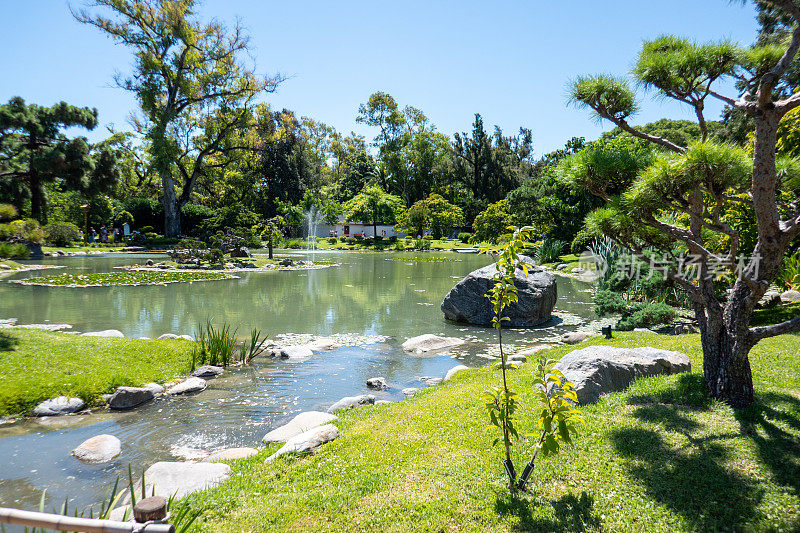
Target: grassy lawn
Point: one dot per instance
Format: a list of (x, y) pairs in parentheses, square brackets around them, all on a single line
[(80, 247), (368, 244), (658, 457), (37, 365)]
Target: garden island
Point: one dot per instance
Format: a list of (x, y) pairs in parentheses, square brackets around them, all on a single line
[(227, 315)]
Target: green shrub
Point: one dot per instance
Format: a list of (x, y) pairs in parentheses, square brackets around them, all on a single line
[(647, 315), (147, 229), (582, 241), (789, 277), (609, 303), (8, 212), (428, 237), (422, 244), (123, 217), (464, 237), (393, 239), (399, 246), (332, 240), (61, 234), (358, 238), (14, 251), (294, 244), (409, 238), (550, 250)]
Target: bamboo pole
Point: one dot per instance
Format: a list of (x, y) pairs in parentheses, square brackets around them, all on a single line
[(69, 523)]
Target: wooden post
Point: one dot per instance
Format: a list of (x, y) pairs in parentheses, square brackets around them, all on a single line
[(150, 509)]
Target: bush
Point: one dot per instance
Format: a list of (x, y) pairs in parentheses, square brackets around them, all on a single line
[(14, 251), (609, 303), (147, 229), (399, 246), (348, 240), (123, 217), (27, 230), (193, 216), (550, 250), (146, 212), (428, 237), (409, 238), (8, 212), (422, 244), (464, 237), (582, 241), (359, 238), (393, 239), (61, 234), (647, 315), (294, 244), (332, 240)]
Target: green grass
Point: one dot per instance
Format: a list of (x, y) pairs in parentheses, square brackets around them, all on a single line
[(773, 315), (122, 277), (37, 365), (368, 244), (80, 247), (658, 457)]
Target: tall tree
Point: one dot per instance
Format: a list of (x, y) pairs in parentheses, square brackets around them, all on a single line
[(34, 152), (680, 198), (192, 85), (375, 205)]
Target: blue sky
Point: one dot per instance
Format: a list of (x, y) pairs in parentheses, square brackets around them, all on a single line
[(511, 61)]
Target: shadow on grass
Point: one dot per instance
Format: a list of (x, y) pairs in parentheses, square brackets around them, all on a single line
[(690, 473), (572, 513), (778, 447), (7, 342)]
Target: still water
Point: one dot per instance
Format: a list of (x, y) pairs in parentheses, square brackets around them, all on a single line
[(384, 298)]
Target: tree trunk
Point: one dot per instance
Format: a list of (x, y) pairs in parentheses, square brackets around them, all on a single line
[(37, 197), (726, 348), (172, 212)]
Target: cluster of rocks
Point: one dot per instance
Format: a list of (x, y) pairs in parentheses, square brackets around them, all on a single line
[(775, 298)]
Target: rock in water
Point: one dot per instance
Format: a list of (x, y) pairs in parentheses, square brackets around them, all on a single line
[(59, 406), (453, 371), (296, 352), (169, 478), (189, 385), (299, 424), (99, 449), (207, 371), (429, 342), (467, 301), (155, 388), (230, 454), (349, 402), (104, 333), (307, 442), (129, 397), (377, 383), (410, 391), (600, 369)]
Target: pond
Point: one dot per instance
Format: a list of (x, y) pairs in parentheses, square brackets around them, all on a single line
[(383, 298)]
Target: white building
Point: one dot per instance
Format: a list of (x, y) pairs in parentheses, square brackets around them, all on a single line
[(351, 229)]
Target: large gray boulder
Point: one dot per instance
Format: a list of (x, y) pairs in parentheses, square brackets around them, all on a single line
[(467, 301), (299, 424), (98, 449), (207, 371), (104, 333), (167, 478), (308, 441), (790, 296), (129, 397), (350, 402), (61, 405), (600, 369)]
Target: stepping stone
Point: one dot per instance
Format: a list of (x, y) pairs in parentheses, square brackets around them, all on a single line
[(61, 405), (192, 384), (428, 342), (430, 381), (207, 371), (297, 425), (128, 397), (104, 333), (167, 478), (308, 441), (410, 391), (99, 449), (377, 383), (574, 337), (453, 371), (349, 402), (154, 387), (296, 352), (231, 454)]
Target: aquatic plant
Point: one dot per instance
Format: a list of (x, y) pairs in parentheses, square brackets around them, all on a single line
[(122, 277)]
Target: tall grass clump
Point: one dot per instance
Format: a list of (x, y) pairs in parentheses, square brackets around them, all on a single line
[(550, 250)]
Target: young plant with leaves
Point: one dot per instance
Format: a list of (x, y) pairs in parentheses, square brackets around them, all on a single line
[(559, 414), (502, 403)]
